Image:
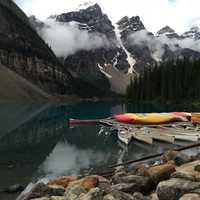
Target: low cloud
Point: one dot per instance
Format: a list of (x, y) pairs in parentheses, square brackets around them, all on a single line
[(66, 38), (156, 45)]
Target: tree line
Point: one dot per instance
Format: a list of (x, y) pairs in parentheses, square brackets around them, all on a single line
[(176, 81)]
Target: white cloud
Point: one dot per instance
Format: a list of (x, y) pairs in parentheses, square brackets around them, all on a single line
[(155, 13), (156, 45), (59, 36)]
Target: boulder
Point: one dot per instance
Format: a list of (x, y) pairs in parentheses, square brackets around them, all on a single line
[(42, 190), (14, 188), (160, 172), (109, 197), (178, 157), (93, 194), (74, 190), (190, 197), (134, 183), (104, 185), (125, 187), (117, 195), (139, 196), (188, 171), (153, 196), (197, 168), (57, 198), (174, 188), (90, 182), (63, 181), (41, 198), (118, 175)]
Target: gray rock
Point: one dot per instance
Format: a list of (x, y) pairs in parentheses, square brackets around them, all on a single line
[(74, 190), (190, 197), (197, 168), (125, 187), (174, 188), (134, 183), (118, 175), (188, 172), (178, 157), (117, 195), (14, 188), (42, 190), (93, 194)]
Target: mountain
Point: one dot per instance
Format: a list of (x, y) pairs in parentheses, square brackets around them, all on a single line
[(104, 69), (193, 33), (113, 54), (30, 61), (167, 31)]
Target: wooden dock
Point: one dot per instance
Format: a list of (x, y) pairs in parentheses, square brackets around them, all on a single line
[(185, 131)]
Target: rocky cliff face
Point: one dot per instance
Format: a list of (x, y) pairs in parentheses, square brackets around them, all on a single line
[(90, 66), (25, 53)]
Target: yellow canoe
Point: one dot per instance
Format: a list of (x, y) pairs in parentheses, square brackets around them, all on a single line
[(196, 118)]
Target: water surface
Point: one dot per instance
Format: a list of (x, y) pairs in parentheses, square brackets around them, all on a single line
[(36, 141)]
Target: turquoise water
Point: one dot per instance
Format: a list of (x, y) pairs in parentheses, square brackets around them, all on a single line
[(36, 141)]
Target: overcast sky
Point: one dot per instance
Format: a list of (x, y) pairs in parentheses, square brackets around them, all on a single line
[(179, 14)]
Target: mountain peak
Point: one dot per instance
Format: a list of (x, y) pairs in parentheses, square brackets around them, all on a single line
[(83, 15), (193, 33), (128, 25), (90, 18), (167, 31), (85, 5), (133, 23)]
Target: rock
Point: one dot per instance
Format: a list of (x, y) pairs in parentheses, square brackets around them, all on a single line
[(154, 196), (109, 197), (190, 197), (178, 157), (93, 194), (117, 177), (117, 195), (174, 188), (125, 187), (57, 198), (62, 181), (197, 168), (89, 182), (41, 198), (15, 188), (161, 172), (139, 196), (74, 190), (42, 190), (104, 185), (134, 183), (187, 171)]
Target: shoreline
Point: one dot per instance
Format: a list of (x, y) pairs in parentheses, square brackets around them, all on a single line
[(175, 175)]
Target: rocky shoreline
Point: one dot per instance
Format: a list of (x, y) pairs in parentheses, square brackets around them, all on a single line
[(177, 176)]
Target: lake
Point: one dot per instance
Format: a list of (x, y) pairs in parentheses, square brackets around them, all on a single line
[(36, 141)]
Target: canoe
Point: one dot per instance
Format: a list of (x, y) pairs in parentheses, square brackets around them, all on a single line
[(152, 118), (142, 138), (192, 138), (196, 118), (80, 122), (161, 137)]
